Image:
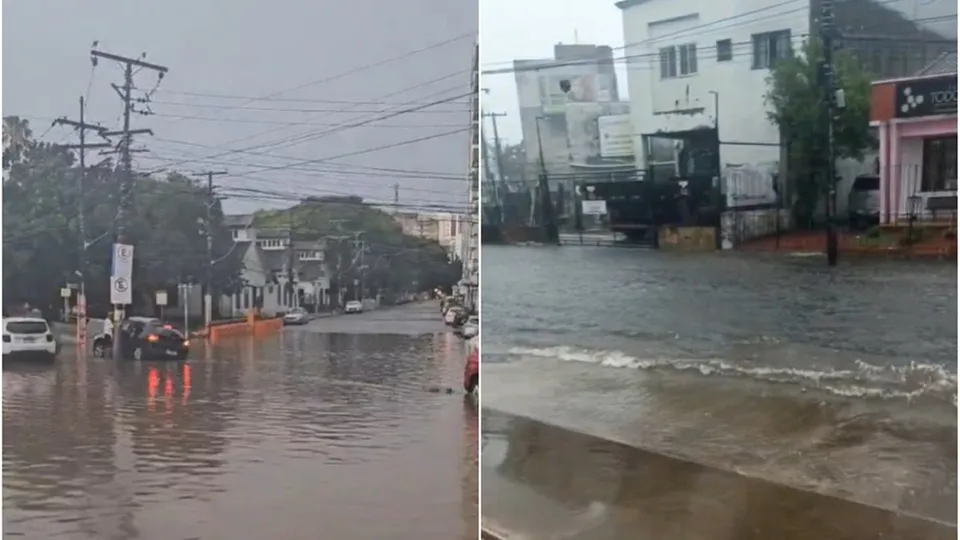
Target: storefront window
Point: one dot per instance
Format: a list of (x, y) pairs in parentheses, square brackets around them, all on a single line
[(940, 164)]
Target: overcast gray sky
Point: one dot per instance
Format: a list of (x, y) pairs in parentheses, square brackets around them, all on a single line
[(246, 48), (527, 29)]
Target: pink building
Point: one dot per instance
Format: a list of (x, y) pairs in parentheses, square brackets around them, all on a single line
[(916, 120)]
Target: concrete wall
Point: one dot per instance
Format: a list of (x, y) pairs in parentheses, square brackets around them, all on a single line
[(687, 238), (737, 227)]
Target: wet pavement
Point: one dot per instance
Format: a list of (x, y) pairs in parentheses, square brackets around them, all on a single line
[(338, 429), (744, 376)]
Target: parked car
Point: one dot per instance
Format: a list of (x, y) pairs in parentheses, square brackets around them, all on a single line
[(353, 306), (471, 328), (453, 314), (863, 202), (471, 372), (296, 316), (144, 338), (28, 337)]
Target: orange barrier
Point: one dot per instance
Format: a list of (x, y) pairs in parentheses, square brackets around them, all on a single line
[(251, 328)]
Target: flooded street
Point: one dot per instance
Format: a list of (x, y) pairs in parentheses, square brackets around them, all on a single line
[(635, 389), (339, 429)]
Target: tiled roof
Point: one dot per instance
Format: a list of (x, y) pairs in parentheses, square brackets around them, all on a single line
[(945, 64)]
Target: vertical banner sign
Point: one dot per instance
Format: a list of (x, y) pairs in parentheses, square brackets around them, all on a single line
[(121, 278)]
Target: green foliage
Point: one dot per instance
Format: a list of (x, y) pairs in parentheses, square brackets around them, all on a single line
[(797, 103), (41, 229), (395, 262)]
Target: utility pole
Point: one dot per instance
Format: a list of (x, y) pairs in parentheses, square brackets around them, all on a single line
[(126, 187), (82, 127), (832, 99), (357, 258), (498, 154), (291, 257), (546, 204), (208, 231), (396, 198)]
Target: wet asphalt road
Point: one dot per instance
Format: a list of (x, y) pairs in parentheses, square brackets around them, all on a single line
[(715, 377), (331, 430)]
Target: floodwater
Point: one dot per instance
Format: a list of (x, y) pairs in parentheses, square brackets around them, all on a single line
[(743, 377), (339, 429)]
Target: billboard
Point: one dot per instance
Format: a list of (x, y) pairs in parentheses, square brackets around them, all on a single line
[(616, 135), (584, 88), (585, 129)]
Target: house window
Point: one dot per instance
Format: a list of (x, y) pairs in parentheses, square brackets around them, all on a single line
[(939, 164), (678, 60), (688, 59), (770, 47), (668, 62), (724, 50)]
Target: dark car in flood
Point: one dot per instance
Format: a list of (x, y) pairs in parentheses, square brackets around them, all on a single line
[(146, 338)]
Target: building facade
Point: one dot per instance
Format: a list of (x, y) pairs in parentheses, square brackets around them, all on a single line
[(916, 120), (697, 75), (589, 70)]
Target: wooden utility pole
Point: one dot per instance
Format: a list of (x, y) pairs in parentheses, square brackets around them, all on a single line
[(830, 95), (126, 185), (82, 127), (208, 230)]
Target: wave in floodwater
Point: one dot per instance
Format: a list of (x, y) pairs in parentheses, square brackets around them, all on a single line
[(861, 379)]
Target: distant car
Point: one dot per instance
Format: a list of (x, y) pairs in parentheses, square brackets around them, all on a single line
[(28, 337), (353, 306), (453, 314), (863, 203), (470, 328), (296, 316), (144, 338), (471, 372)]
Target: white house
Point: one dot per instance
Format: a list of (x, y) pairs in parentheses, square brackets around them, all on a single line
[(267, 256)]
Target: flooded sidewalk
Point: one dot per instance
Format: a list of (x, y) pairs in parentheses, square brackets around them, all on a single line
[(543, 482), (328, 427)]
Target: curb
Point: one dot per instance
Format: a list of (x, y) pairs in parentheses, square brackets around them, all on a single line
[(491, 531)]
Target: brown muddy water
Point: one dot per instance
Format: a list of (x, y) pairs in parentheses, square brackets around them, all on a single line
[(744, 378), (332, 430)]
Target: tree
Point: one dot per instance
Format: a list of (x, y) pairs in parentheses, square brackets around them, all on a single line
[(395, 262), (797, 101), (16, 135), (42, 240)]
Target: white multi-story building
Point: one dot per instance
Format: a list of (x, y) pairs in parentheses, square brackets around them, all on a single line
[(470, 282), (698, 72)]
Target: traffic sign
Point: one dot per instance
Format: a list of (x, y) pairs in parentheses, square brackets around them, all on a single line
[(65, 292), (121, 291), (161, 298), (122, 261)]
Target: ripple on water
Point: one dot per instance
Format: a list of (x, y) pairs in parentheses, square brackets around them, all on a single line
[(308, 428)]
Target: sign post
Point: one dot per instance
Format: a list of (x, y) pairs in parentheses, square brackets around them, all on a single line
[(121, 286), (65, 294), (162, 302)]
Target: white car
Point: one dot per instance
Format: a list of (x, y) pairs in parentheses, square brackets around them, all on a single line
[(353, 306), (28, 336), (471, 328)]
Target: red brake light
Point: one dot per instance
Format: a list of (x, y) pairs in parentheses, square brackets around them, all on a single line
[(152, 338), (167, 327), (186, 343)]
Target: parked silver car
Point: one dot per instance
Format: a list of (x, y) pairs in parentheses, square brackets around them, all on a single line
[(863, 203), (296, 316)]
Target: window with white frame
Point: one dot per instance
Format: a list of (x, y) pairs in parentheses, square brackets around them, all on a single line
[(688, 59), (771, 47), (678, 61), (668, 62)]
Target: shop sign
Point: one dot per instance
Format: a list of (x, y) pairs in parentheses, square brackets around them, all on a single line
[(934, 96)]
